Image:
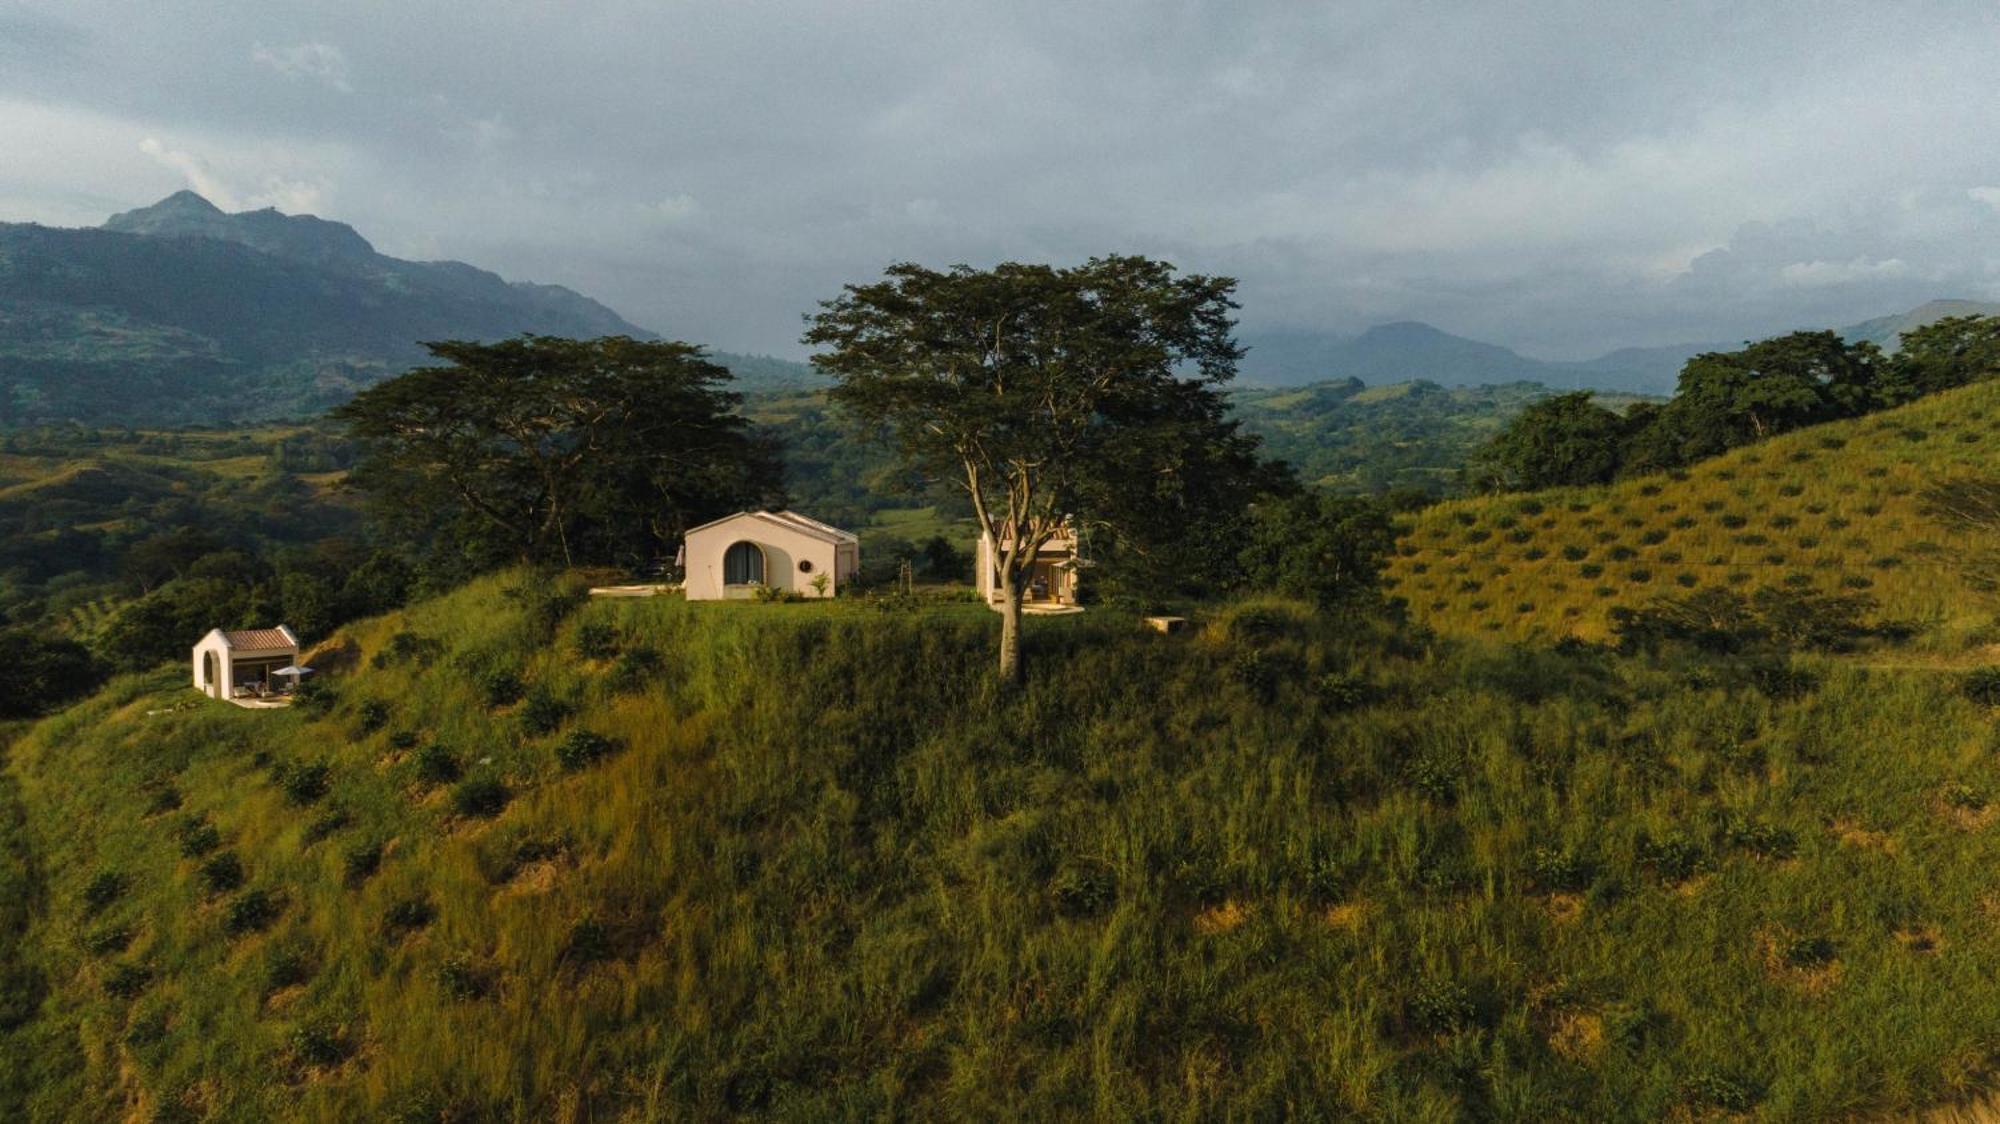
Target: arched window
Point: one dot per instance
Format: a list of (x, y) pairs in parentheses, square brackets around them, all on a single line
[(743, 564), (207, 671)]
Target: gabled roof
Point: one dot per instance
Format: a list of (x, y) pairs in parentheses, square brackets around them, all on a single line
[(790, 520), (259, 639)]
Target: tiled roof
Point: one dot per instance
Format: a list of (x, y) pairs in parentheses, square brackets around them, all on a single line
[(791, 519), (257, 638)]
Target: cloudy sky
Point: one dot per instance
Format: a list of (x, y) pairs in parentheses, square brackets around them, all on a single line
[(1560, 177)]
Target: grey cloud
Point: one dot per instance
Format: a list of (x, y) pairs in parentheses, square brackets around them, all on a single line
[(1559, 176)]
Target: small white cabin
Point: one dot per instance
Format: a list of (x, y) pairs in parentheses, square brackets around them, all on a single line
[(238, 664), (1051, 579), (735, 556)]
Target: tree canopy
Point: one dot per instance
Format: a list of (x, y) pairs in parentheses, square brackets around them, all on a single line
[(1083, 396), (563, 450)]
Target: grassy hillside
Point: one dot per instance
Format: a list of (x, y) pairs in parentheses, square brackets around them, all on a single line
[(797, 861), (1838, 508)]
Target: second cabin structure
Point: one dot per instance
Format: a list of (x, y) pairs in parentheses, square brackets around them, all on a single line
[(737, 555), (238, 663), (1050, 584)]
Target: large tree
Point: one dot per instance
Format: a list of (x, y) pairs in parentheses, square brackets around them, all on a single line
[(560, 450), (1565, 440), (1085, 395)]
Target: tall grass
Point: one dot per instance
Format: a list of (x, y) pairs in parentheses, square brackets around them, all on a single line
[(1284, 865)]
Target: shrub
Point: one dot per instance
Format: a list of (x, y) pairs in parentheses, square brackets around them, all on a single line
[(635, 667), (127, 980), (1343, 691), (1727, 1091), (1083, 889), (1440, 1006), (324, 825), (361, 861), (319, 1043), (372, 715), (502, 688), (222, 873), (596, 640), (408, 915), (103, 889), (1559, 870), (198, 837), (482, 797), (543, 712), (583, 748), (1808, 951), (462, 979), (1672, 859), (1982, 686), (589, 942), (1575, 553), (1653, 537), (286, 966), (167, 799), (305, 784), (251, 911), (107, 940), (436, 764)]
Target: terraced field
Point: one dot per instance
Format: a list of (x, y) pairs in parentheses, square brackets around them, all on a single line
[(1849, 507)]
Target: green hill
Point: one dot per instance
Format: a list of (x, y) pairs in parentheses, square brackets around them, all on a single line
[(530, 859), (1840, 508)]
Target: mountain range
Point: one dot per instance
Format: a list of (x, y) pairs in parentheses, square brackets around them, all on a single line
[(181, 313)]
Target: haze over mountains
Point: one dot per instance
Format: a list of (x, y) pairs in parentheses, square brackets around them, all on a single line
[(182, 313)]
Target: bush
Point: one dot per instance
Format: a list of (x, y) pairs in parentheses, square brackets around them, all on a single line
[(1982, 686), (324, 825), (361, 861), (372, 715), (596, 640), (107, 940), (1559, 870), (436, 764), (320, 1043), (222, 873), (127, 980), (589, 942), (251, 911), (634, 669), (583, 748), (502, 688), (408, 915), (107, 887), (462, 979), (543, 713), (305, 784), (1083, 889), (1440, 1006), (167, 799), (1809, 952), (285, 967), (198, 837), (483, 798)]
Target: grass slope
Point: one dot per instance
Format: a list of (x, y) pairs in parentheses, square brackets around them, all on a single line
[(1837, 508), (1281, 866)]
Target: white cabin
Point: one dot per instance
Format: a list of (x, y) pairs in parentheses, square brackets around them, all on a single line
[(238, 663), (737, 555), (1051, 579)]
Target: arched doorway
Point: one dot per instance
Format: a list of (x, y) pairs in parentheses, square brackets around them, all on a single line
[(743, 564), (208, 683)]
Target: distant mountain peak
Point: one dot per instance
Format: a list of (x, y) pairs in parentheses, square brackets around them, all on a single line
[(185, 214)]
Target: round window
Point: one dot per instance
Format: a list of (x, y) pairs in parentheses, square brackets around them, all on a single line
[(805, 566)]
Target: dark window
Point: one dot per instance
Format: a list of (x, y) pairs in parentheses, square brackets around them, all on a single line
[(805, 566), (743, 564)]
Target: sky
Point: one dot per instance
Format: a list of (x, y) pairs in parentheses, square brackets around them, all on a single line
[(1561, 177)]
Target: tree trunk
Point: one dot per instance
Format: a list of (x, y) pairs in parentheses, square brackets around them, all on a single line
[(1010, 633)]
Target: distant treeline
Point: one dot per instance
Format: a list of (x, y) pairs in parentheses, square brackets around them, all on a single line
[(1728, 399)]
